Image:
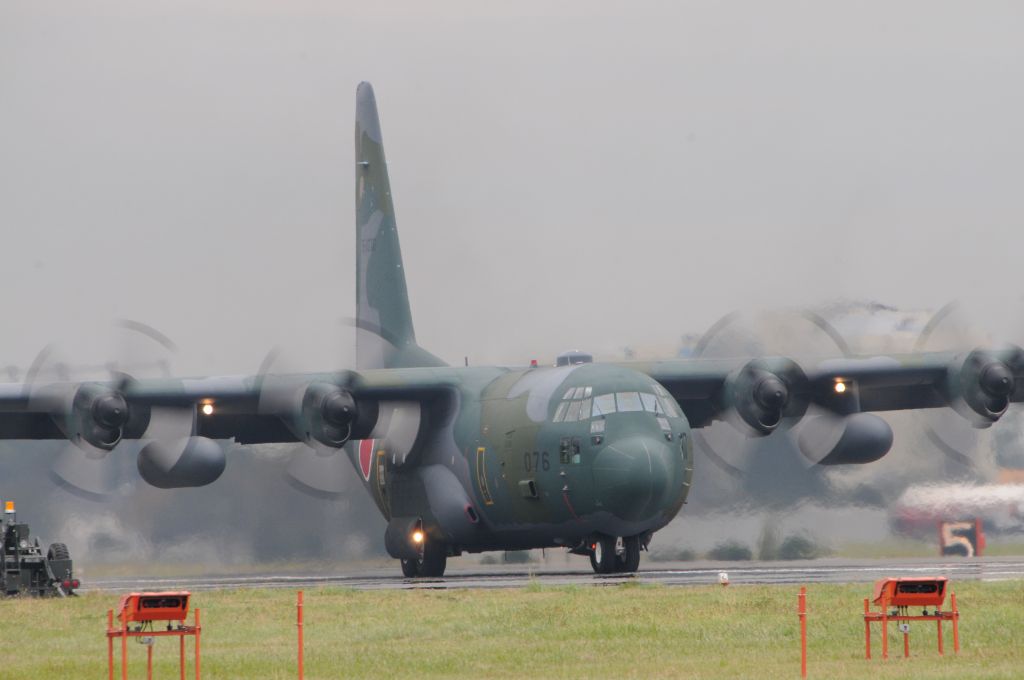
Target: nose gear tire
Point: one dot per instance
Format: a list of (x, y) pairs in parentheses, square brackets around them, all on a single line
[(430, 563)]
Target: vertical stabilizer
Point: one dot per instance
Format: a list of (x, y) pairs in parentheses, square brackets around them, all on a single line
[(385, 336)]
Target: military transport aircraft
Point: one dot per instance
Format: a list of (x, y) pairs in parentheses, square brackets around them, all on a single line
[(591, 457)]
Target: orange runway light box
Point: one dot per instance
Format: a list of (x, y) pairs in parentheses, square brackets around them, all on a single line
[(171, 606), (911, 592)]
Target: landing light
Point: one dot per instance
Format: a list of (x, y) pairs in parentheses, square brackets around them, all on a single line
[(840, 387), (207, 409), (417, 536)]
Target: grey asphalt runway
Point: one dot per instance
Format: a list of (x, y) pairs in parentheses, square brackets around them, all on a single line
[(832, 570)]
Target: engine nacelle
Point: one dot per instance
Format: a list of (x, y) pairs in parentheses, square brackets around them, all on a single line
[(331, 415), (979, 387), (97, 416), (758, 396), (848, 440), (193, 461)]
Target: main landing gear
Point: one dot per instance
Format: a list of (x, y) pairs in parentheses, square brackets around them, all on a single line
[(610, 555)]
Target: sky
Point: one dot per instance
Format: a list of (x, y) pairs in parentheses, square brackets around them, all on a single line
[(572, 174)]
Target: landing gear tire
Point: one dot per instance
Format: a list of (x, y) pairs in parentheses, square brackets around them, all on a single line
[(410, 568), (430, 563), (602, 556), (434, 559), (629, 560)]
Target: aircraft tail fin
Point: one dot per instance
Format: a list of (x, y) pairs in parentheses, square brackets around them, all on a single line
[(385, 337)]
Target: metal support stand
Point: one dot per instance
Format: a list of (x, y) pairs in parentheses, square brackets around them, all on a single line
[(123, 632), (900, 615)]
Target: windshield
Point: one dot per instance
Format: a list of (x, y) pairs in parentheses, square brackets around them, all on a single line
[(577, 404)]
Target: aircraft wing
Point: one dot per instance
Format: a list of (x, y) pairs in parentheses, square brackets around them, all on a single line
[(179, 419), (979, 385), (249, 409)]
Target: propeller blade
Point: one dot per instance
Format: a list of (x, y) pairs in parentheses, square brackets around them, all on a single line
[(948, 330), (319, 470), (85, 471), (819, 435), (313, 468)]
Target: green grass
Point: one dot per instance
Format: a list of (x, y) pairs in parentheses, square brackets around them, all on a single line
[(901, 548), (617, 631)]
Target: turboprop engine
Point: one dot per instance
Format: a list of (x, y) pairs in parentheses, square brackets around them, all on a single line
[(765, 393), (97, 416), (758, 396), (331, 415), (979, 386)]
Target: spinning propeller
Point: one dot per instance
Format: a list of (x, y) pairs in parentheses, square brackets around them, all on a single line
[(322, 412), (771, 415), (767, 400), (95, 416), (952, 328)]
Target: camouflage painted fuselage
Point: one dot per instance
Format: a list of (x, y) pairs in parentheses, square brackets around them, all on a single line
[(498, 459), (491, 469)]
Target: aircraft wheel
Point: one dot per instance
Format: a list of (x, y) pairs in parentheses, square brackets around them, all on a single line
[(430, 563), (602, 557), (629, 560), (434, 560), (410, 568)]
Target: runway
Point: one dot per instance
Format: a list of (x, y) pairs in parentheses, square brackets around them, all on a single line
[(831, 570)]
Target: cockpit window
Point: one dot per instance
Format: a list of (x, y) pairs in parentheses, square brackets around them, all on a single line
[(628, 401), (669, 405), (650, 402), (604, 404), (580, 404), (575, 405)]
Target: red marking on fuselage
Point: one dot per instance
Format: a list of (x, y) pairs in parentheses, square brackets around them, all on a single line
[(565, 497), (366, 457)]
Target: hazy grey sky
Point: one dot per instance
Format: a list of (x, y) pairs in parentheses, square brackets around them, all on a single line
[(591, 174)]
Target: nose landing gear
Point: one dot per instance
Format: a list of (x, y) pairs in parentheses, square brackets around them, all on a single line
[(430, 563), (609, 555)]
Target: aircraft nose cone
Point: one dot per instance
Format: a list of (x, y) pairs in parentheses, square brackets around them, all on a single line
[(632, 477)]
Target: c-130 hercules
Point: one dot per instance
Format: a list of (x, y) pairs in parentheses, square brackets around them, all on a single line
[(591, 457)]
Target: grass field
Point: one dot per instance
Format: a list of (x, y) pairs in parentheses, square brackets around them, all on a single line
[(902, 547), (616, 631)]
